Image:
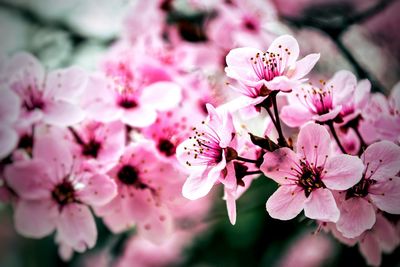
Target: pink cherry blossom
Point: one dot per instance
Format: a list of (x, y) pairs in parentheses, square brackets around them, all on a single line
[(9, 113), (241, 23), (381, 117), (130, 98), (381, 238), (307, 177), (101, 144), (55, 195), (147, 187), (379, 187), (262, 72), (49, 97), (204, 153), (320, 104)]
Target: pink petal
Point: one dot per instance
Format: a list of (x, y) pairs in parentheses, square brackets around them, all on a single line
[(8, 140), (61, 113), (65, 252), (230, 205), (386, 195), (356, 216), (286, 202), (281, 83), (313, 143), (304, 66), (280, 165), (10, 105), (158, 228), (382, 160), (328, 116), (279, 46), (198, 185), (30, 179), (35, 219), (343, 84), (295, 116), (66, 84), (322, 206), (362, 93), (239, 65), (99, 190), (56, 153), (76, 227), (161, 95), (386, 233), (369, 248), (139, 117), (26, 63), (342, 172)]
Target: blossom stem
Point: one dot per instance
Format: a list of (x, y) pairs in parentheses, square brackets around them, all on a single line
[(333, 131), (77, 138), (271, 115), (246, 160), (281, 139), (253, 172), (363, 145)]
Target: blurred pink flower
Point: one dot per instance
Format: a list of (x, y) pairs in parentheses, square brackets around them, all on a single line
[(49, 97), (148, 187), (54, 194)]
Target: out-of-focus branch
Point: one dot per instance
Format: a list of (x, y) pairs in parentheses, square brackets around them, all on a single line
[(336, 26)]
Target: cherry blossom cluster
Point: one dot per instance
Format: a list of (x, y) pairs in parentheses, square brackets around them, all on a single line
[(342, 165), (162, 121)]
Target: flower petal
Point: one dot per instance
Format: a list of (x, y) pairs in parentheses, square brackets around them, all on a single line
[(8, 140), (61, 113), (304, 66), (35, 219), (386, 195), (342, 172), (286, 202), (369, 248), (99, 190), (281, 165), (382, 160), (76, 227), (139, 117), (295, 116), (288, 49), (322, 206), (30, 179), (356, 216), (161, 95), (313, 143)]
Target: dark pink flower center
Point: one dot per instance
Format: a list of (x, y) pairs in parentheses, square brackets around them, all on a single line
[(129, 175), (166, 147), (92, 148), (206, 149), (360, 189), (267, 66), (309, 178), (317, 100), (64, 193)]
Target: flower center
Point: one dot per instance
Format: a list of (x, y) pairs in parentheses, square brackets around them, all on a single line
[(64, 193), (128, 175), (205, 150), (317, 100), (267, 65), (310, 178), (166, 147), (360, 189), (127, 103), (91, 149)]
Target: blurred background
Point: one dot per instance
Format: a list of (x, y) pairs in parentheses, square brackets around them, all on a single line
[(358, 35)]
